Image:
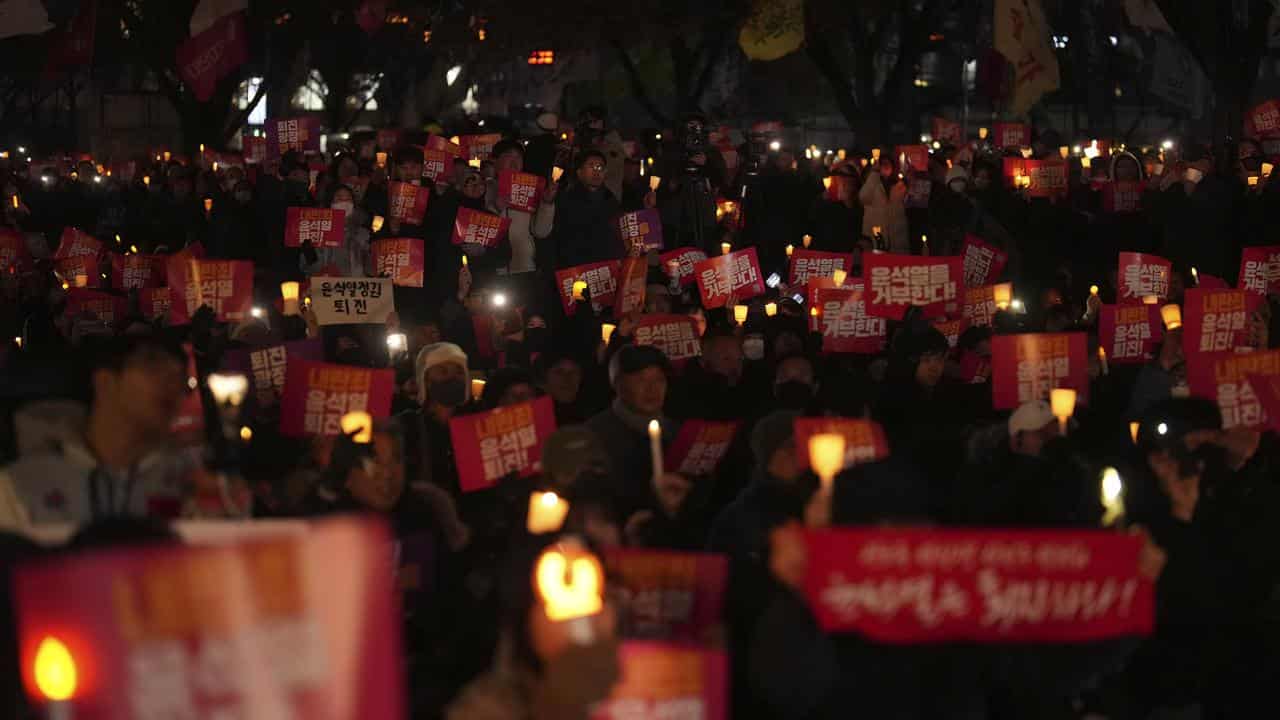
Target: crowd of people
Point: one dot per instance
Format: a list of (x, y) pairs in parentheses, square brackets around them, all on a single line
[(90, 405)]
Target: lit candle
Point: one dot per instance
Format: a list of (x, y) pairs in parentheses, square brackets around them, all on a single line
[(1085, 162), (1253, 181), (246, 433), (397, 343), (1093, 289), (1064, 151), (56, 677), (807, 240), (570, 582), (1027, 153), (654, 182), (813, 311), (982, 133), (740, 314), (826, 456), (673, 268), (377, 223), (1003, 295), (838, 276), (1102, 360), (579, 290), (82, 280), (826, 182), (1195, 276), (790, 249), (771, 309), (167, 156), (1266, 169), (1112, 496), (477, 389), (875, 231), (655, 449), (208, 206), (1133, 431), (201, 149), (1062, 401), (1150, 300), (606, 331), (359, 425), (15, 202), (546, 512), (464, 261), (146, 180), (473, 162), (215, 167), (17, 340), (1172, 316), (840, 154), (875, 154), (228, 388), (381, 159), (556, 173), (289, 294), (725, 248)]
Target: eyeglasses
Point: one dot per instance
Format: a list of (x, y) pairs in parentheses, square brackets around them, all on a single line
[(594, 167)]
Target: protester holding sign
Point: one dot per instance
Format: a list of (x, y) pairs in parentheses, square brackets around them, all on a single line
[(531, 214)]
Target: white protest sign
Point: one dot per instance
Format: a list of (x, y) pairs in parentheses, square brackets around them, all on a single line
[(351, 300)]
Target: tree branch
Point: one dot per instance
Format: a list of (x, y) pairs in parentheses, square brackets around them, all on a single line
[(637, 83)]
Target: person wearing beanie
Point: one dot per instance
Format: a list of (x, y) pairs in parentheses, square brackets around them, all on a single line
[(444, 390)]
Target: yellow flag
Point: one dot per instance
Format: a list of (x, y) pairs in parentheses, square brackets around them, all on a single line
[(1022, 37), (774, 29)]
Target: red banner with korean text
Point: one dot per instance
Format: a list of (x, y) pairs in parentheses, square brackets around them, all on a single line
[(1260, 270), (631, 286), (154, 303), (864, 440), (896, 282), (807, 264), (1267, 390), (947, 132), (81, 266), (667, 595), (811, 289), (292, 134), (1263, 120), (983, 262), (266, 366), (437, 165), (473, 227), (254, 150), (14, 253), (1011, 135), (407, 202), (108, 308), (951, 329), (1215, 321), (1130, 334), (401, 259), (437, 142), (479, 147), (933, 585), (912, 157), (322, 227), (601, 279), (76, 243), (1026, 367), (1122, 196), (681, 262), (256, 626), (226, 286), (316, 395), (137, 271), (1048, 178), (734, 277), (1141, 275), (846, 327), (640, 231), (663, 681), (492, 445), (521, 190), (1224, 378), (205, 59), (675, 335), (699, 447)]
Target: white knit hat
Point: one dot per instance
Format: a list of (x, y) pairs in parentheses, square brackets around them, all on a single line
[(1029, 417), (438, 354)]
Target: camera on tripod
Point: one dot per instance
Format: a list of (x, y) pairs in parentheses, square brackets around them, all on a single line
[(693, 137)]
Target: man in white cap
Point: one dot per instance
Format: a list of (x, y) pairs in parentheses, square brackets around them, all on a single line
[(1032, 426)]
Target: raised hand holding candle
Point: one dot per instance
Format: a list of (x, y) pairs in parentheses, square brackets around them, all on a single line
[(1172, 316), (1102, 360), (838, 276), (547, 512), (826, 457), (807, 240), (1112, 496), (725, 248), (557, 172), (378, 220), (579, 290), (1133, 431), (654, 182), (740, 314), (289, 294), (790, 249), (606, 331)]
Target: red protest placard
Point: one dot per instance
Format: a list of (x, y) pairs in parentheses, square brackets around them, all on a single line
[(1260, 270), (254, 150), (896, 282), (1224, 378), (1123, 196), (1048, 177), (947, 132), (640, 231), (137, 271), (407, 202), (210, 56), (913, 157), (1142, 275), (479, 147), (1214, 320), (226, 286), (1263, 120), (811, 289), (292, 134), (436, 164), (601, 279), (699, 447), (1267, 390), (1130, 333), (322, 227), (316, 395), (631, 287), (81, 266), (492, 445), (680, 263), (521, 190), (401, 259), (934, 585), (153, 303), (75, 243), (668, 595), (864, 440), (1026, 367), (723, 278), (14, 253), (807, 264), (266, 366), (983, 262), (192, 630), (1011, 135), (108, 308), (665, 681), (951, 329), (473, 227), (846, 328), (1205, 281), (675, 335)]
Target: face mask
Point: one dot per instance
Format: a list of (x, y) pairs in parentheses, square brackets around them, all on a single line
[(793, 395), (345, 207), (1193, 175), (753, 348), (450, 393)]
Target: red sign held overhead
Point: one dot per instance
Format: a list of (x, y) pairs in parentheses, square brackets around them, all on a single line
[(293, 134), (473, 227), (807, 264), (322, 227), (734, 277), (680, 264), (947, 132), (846, 327), (1225, 379), (129, 272), (675, 335), (226, 286), (896, 282), (108, 308), (316, 396), (1011, 135), (1143, 275), (601, 279), (407, 203), (699, 447), (504, 441), (437, 165), (401, 259), (1026, 367), (75, 243), (912, 157), (1130, 333), (207, 58), (1123, 196), (663, 681), (668, 595), (983, 262), (13, 251), (1215, 320), (1260, 270), (521, 190), (1263, 121), (864, 440)]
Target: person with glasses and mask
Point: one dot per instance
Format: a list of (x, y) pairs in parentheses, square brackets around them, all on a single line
[(584, 231)]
